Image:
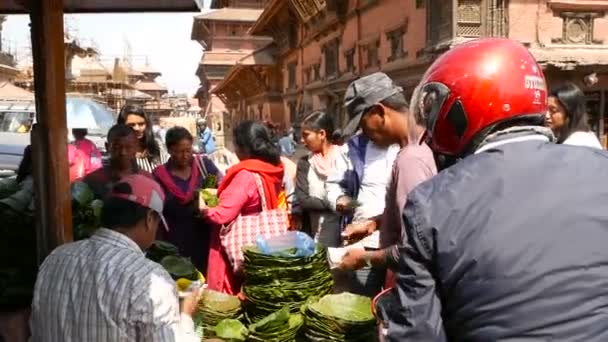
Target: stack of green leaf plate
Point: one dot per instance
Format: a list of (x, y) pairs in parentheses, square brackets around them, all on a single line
[(273, 282), (340, 317), (280, 326), (213, 308)]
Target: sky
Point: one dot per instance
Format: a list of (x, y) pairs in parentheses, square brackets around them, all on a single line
[(162, 39)]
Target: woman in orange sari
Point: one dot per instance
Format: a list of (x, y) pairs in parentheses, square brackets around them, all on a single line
[(238, 195)]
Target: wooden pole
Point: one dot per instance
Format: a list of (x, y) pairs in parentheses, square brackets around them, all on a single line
[(49, 137)]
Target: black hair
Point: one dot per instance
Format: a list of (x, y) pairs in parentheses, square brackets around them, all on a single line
[(254, 140), (149, 142), (176, 134), (122, 213), (575, 105), (25, 166), (119, 131), (396, 102), (319, 120)]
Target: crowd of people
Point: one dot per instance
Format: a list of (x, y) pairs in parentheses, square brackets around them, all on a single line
[(506, 242)]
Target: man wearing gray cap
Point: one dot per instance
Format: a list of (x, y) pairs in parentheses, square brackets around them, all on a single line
[(379, 107), (357, 187)]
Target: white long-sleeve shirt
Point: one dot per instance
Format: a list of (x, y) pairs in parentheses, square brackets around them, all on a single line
[(376, 174), (104, 289)]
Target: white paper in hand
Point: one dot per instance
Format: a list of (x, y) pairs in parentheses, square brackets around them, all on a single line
[(335, 254)]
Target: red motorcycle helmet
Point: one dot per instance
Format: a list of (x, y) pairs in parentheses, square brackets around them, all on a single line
[(474, 87)]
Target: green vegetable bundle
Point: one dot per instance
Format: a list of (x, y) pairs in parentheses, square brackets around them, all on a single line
[(273, 282), (86, 211), (340, 317), (179, 267), (210, 182), (161, 249), (213, 308), (280, 326), (210, 199)]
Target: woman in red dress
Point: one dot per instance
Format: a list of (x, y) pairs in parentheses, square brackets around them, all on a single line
[(238, 195)]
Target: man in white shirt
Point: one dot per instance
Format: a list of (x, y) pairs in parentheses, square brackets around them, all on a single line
[(361, 172), (103, 288)]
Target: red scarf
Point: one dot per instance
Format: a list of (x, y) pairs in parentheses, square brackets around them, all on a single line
[(163, 175), (272, 178)]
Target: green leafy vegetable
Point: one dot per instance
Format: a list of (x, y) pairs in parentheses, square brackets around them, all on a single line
[(161, 249), (341, 317), (274, 281), (86, 211), (210, 199), (231, 329), (179, 267), (210, 182), (215, 307)]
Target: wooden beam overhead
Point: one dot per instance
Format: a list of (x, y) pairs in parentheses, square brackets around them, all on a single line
[(105, 6)]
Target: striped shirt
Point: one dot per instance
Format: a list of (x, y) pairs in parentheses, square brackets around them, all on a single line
[(104, 289)]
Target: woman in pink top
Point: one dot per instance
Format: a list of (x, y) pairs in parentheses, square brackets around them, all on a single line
[(92, 156), (238, 195)]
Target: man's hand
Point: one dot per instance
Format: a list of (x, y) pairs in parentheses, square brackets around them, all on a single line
[(353, 259), (357, 231), (343, 205), (190, 303)]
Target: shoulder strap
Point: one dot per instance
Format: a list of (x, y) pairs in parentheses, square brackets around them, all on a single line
[(200, 163), (258, 182)]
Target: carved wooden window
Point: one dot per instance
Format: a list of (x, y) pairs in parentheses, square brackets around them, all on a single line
[(420, 3), (371, 53), (291, 75), (469, 21), (577, 28), (349, 56), (497, 24), (396, 38), (331, 54), (439, 23), (306, 9)]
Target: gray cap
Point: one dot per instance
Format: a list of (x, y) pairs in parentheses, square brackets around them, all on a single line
[(364, 93)]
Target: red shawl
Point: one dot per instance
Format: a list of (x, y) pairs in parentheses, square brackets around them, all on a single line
[(272, 178), (163, 175)]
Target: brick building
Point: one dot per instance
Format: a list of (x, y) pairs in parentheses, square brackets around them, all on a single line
[(319, 46), (223, 34)]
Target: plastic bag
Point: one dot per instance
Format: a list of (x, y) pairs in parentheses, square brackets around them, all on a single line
[(290, 244)]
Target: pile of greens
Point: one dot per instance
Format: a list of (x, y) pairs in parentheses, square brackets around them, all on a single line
[(276, 281), (340, 317), (18, 263), (161, 249), (216, 307), (179, 267), (231, 330), (280, 326), (86, 211)]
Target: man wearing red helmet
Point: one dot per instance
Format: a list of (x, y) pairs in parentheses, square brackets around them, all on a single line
[(492, 251)]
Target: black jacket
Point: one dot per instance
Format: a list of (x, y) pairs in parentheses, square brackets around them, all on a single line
[(510, 244)]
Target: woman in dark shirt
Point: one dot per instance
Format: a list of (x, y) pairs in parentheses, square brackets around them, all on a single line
[(318, 219), (181, 178)]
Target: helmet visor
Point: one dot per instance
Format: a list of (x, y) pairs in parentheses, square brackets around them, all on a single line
[(427, 102)]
